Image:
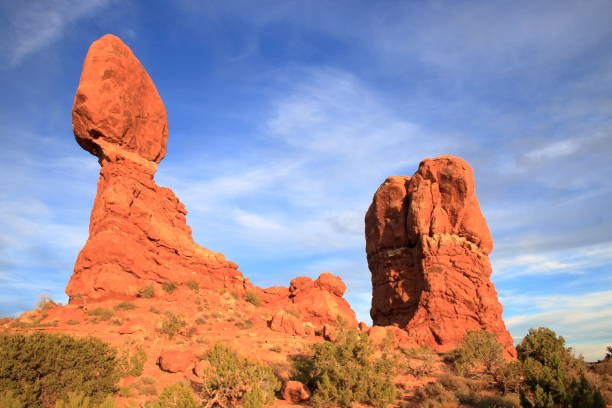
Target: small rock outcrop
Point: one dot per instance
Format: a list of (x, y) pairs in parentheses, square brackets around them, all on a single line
[(295, 391), (138, 235), (427, 244)]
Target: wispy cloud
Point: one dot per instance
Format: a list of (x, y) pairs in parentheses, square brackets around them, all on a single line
[(585, 320), (579, 261), (34, 25)]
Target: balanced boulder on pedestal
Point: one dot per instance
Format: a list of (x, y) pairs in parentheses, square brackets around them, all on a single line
[(138, 235)]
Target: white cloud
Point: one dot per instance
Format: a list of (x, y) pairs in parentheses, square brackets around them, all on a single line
[(584, 320), (34, 25), (333, 141), (578, 261)]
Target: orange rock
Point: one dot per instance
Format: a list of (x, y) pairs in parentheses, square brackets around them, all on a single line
[(138, 234), (332, 284), (427, 244), (285, 323), (320, 301), (175, 361), (295, 391)]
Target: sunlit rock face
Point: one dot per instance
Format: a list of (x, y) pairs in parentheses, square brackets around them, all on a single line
[(138, 235), (427, 244)]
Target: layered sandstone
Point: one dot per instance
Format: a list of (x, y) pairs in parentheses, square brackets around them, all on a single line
[(427, 244), (138, 235)]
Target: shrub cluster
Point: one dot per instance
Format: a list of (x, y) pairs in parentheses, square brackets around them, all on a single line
[(553, 375), (43, 368), (233, 380), (172, 324), (344, 372), (479, 349), (131, 363), (177, 395)]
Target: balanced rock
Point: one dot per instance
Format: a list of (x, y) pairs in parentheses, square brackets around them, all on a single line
[(427, 244), (138, 234)]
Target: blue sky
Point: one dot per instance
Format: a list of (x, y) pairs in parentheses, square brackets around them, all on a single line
[(285, 116)]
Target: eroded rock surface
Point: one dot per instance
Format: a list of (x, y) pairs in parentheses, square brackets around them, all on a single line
[(138, 235), (427, 244)]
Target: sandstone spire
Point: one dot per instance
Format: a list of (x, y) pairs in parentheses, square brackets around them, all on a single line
[(427, 244), (138, 234)]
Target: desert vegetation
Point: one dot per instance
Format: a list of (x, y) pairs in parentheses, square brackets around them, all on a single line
[(345, 372), (547, 374)]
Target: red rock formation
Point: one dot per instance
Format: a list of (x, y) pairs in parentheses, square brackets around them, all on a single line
[(427, 244), (138, 234), (295, 391)]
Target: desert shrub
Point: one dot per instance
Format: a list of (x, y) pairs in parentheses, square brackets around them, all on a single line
[(508, 377), (146, 292), (43, 367), (80, 400), (125, 306), (457, 385), (72, 322), (482, 400), (172, 324), (233, 380), (245, 324), (177, 395), (344, 372), (193, 285), (100, 313), (131, 363), (9, 400), (170, 287), (155, 310), (252, 298), (424, 364), (192, 331), (550, 371), (200, 320), (45, 303), (145, 386), (584, 395), (479, 348), (434, 395)]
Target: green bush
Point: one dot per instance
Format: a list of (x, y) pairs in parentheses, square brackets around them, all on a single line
[(145, 386), (479, 348), (132, 363), (344, 372), (172, 324), (80, 400), (100, 313), (193, 285), (434, 395), (125, 306), (508, 377), (146, 292), (233, 380), (170, 286), (550, 371), (252, 298), (177, 395), (44, 367)]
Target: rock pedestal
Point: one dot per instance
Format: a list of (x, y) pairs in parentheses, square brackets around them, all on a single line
[(138, 235), (427, 244)]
